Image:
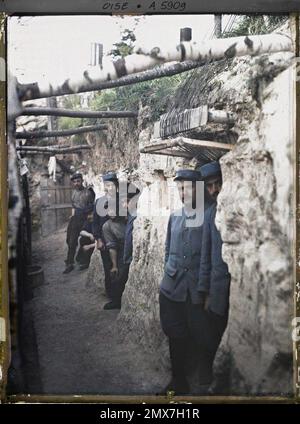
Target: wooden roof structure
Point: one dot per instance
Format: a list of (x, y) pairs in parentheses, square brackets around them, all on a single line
[(172, 134)]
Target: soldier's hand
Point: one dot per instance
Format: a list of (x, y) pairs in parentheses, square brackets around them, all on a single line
[(114, 272), (100, 244)]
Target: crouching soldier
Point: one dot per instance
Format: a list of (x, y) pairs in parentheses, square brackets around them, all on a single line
[(180, 301), (214, 278), (82, 202), (86, 242)]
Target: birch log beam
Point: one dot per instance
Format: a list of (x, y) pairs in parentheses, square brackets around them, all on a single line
[(48, 111), (30, 91), (44, 134), (224, 48), (212, 50)]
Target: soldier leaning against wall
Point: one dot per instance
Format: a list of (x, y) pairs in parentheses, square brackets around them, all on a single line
[(181, 306), (117, 232), (214, 278)]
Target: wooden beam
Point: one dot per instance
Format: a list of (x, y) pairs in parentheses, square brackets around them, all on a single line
[(39, 111), (213, 50), (182, 142), (32, 91), (203, 143), (158, 146), (174, 152), (48, 149), (44, 134)]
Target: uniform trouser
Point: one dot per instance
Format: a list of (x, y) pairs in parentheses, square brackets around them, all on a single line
[(84, 257), (184, 320), (74, 227), (107, 267), (118, 283)]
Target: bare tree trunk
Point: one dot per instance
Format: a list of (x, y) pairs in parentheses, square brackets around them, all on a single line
[(44, 134), (223, 48), (87, 80), (31, 91)]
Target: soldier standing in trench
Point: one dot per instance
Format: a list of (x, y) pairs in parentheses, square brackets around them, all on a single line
[(214, 278), (117, 232), (82, 202), (111, 187), (180, 302)]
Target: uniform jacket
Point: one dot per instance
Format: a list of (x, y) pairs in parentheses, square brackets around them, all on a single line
[(214, 277), (99, 221), (182, 260), (128, 244), (82, 201)]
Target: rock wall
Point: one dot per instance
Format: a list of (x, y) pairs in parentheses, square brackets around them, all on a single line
[(255, 220), (254, 216)]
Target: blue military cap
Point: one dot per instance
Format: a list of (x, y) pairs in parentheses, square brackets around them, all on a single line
[(110, 176), (187, 175), (210, 170), (76, 175)]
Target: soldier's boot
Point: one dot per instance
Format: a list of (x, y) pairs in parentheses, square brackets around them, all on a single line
[(178, 384), (205, 370)]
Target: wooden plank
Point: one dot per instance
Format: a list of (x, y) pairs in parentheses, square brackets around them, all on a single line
[(179, 121), (204, 143), (159, 144), (174, 152)]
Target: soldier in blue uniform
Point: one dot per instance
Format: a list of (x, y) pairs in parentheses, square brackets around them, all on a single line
[(111, 186), (214, 278), (181, 305)]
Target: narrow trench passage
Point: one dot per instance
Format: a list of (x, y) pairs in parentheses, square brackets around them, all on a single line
[(79, 349)]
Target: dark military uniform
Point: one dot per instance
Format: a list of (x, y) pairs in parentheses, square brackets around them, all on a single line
[(214, 278), (181, 306), (114, 236), (98, 222), (214, 281), (82, 203)]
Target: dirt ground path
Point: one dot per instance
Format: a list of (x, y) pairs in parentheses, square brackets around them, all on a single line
[(79, 349)]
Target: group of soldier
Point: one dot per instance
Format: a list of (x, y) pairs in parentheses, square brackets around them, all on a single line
[(99, 224), (194, 291)]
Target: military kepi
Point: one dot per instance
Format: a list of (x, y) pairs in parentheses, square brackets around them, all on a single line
[(210, 170), (110, 176), (187, 175), (76, 175)]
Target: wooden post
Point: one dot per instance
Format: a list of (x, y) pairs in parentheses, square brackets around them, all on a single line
[(52, 120), (185, 34), (218, 26)]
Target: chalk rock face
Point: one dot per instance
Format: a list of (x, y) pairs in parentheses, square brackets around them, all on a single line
[(255, 220), (95, 277)]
